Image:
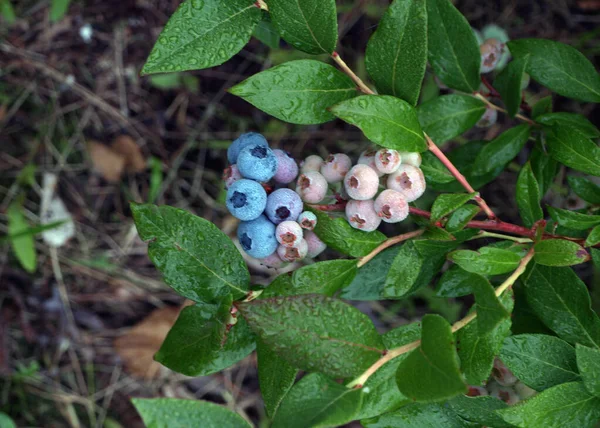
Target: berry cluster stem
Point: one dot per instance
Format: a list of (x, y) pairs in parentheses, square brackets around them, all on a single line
[(396, 352)]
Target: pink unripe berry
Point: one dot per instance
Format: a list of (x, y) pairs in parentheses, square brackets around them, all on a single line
[(409, 181), (387, 161), (335, 167), (491, 52), (488, 119), (287, 168), (307, 220), (312, 163), (361, 215), (312, 187), (231, 174), (361, 182), (411, 158), (502, 374), (476, 391), (504, 393), (391, 206), (273, 261), (288, 233), (293, 254), (368, 158), (315, 245)]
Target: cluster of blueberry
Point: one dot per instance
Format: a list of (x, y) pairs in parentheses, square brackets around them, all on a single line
[(273, 226), (503, 385)]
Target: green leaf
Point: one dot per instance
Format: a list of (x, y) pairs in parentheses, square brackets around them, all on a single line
[(385, 120), (307, 25), (431, 372), (570, 146), (459, 219), (508, 84), (585, 189), (593, 238), (417, 415), (446, 203), (317, 401), (340, 236), (275, 377), (588, 362), (477, 352), (544, 168), (453, 48), (203, 34), (486, 260), (490, 310), (540, 361), (396, 55), (561, 300), (177, 413), (448, 116), (573, 220), (457, 282), (434, 170), (480, 410), (58, 9), (543, 106), (7, 12), (559, 252), (5, 420), (384, 395), (297, 91), (559, 67), (316, 333), (528, 196), (196, 259), (566, 403), (266, 32), (502, 149), (22, 244), (575, 120)]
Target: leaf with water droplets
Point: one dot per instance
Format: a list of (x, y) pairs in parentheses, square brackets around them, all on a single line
[(385, 120), (196, 259), (588, 362), (559, 252), (297, 91), (417, 415), (446, 203), (275, 377), (501, 150), (316, 333), (571, 147), (202, 34), (528, 196), (508, 84), (307, 25)]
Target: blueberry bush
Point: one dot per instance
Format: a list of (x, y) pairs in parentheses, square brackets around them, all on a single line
[(527, 354)]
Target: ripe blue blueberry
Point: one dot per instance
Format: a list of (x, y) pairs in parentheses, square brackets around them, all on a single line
[(257, 237), (287, 168), (246, 199), (257, 162), (242, 141), (283, 205)]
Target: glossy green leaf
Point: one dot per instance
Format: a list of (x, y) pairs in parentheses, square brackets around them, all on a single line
[(196, 259), (203, 34), (457, 282), (431, 372), (396, 55), (22, 244), (275, 377), (559, 252), (486, 261), (480, 410), (588, 362), (559, 67), (593, 238), (477, 352), (502, 149), (387, 121), (178, 413), (453, 48), (543, 106), (575, 120), (339, 235), (553, 408), (307, 25), (585, 189), (528, 196), (573, 220), (297, 91), (58, 9), (544, 169), (384, 395), (368, 282), (446, 203), (316, 333), (317, 401), (266, 32), (459, 219), (508, 83), (434, 170), (490, 310), (448, 116), (417, 415), (540, 361), (570, 146), (561, 300)]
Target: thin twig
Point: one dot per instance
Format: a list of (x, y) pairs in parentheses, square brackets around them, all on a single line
[(388, 243), (495, 107), (361, 85)]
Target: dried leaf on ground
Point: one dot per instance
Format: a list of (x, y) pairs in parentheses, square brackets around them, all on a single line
[(128, 148), (106, 161)]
